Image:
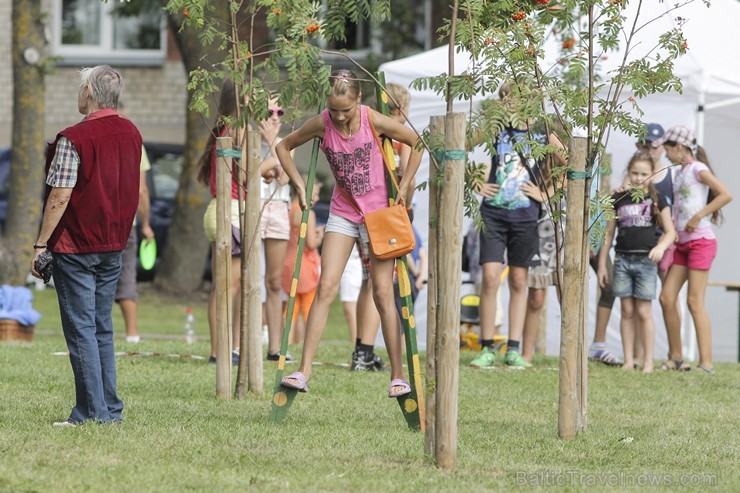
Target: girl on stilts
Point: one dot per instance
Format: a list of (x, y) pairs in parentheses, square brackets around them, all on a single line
[(345, 128)]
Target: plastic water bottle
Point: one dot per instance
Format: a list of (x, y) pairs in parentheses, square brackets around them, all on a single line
[(189, 326)]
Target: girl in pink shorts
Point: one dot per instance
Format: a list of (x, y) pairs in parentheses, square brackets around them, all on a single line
[(698, 198)]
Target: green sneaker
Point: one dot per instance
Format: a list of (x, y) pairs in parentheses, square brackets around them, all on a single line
[(485, 358), (513, 358)]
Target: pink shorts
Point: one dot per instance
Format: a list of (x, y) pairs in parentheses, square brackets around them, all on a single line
[(696, 254), (275, 223)]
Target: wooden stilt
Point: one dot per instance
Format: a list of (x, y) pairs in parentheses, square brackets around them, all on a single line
[(412, 405), (283, 397)]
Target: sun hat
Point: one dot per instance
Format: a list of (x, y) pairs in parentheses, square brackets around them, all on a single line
[(653, 131), (679, 135)]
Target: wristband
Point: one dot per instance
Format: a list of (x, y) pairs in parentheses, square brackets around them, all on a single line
[(39, 247)]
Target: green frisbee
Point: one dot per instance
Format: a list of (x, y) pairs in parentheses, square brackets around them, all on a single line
[(148, 254)]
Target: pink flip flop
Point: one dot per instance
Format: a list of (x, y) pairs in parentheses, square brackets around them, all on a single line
[(300, 386), (397, 382)]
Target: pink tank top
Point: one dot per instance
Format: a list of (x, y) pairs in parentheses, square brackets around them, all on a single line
[(358, 168)]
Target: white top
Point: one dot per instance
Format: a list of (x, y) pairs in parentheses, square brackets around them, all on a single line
[(691, 196), (266, 189)]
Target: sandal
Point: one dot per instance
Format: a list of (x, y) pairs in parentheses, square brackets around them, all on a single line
[(705, 369), (674, 364), (301, 386), (397, 382)]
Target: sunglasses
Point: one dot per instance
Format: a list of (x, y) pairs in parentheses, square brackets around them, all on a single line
[(279, 112)]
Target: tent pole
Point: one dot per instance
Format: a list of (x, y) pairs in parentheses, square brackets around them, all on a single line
[(700, 114)]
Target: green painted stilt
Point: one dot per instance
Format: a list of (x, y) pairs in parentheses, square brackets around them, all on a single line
[(412, 405), (282, 397)]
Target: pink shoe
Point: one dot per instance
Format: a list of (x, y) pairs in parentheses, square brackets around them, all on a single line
[(301, 386), (397, 382)]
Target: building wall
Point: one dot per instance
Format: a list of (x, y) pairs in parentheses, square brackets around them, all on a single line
[(155, 97), (6, 88)]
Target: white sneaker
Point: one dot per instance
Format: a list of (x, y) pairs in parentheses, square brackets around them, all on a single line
[(133, 339), (65, 424)]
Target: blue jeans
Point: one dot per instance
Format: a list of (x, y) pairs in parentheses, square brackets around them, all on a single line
[(635, 276), (86, 284)]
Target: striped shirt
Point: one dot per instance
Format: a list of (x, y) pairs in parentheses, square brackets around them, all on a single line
[(64, 166)]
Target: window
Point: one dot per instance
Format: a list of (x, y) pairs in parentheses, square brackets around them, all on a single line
[(91, 31)]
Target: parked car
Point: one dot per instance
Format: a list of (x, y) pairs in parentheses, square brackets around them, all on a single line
[(162, 180)]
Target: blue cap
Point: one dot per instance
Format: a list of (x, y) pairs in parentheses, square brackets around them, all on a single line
[(653, 131)]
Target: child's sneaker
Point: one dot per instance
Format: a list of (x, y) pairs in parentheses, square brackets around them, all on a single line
[(366, 361), (604, 356), (513, 358), (485, 359)]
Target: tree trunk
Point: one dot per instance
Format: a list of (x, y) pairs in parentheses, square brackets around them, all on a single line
[(26, 181), (185, 254)]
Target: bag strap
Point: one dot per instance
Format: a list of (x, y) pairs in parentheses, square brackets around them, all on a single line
[(388, 167), (351, 200)]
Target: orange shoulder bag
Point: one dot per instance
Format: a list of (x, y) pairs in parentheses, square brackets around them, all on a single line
[(389, 229)]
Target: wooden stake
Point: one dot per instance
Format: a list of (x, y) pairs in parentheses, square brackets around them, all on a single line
[(449, 262), (540, 344), (572, 328), (436, 131), (222, 261), (253, 242)]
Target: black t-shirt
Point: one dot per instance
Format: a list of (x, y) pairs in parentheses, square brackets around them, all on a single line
[(507, 170), (636, 226)]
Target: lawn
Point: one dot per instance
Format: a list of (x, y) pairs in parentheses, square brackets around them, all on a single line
[(645, 431)]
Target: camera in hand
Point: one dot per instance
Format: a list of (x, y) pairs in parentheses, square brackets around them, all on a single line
[(43, 266)]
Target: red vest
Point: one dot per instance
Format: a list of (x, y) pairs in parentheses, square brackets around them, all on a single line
[(103, 204)]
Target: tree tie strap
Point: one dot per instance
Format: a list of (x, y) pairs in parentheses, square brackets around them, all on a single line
[(577, 175), (449, 154), (232, 153)]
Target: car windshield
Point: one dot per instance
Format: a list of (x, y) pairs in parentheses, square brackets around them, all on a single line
[(166, 177)]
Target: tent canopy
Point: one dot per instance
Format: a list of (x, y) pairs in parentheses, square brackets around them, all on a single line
[(711, 79)]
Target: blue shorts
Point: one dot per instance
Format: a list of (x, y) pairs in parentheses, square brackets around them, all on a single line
[(635, 276)]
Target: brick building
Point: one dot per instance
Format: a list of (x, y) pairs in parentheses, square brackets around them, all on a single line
[(83, 33), (155, 78)]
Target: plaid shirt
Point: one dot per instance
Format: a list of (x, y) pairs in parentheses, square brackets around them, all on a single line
[(63, 169)]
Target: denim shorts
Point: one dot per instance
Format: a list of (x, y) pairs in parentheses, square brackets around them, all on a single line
[(338, 224), (635, 276)]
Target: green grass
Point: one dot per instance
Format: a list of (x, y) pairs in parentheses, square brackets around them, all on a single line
[(345, 435)]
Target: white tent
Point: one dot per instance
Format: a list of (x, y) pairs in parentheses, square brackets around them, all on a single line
[(710, 104)]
